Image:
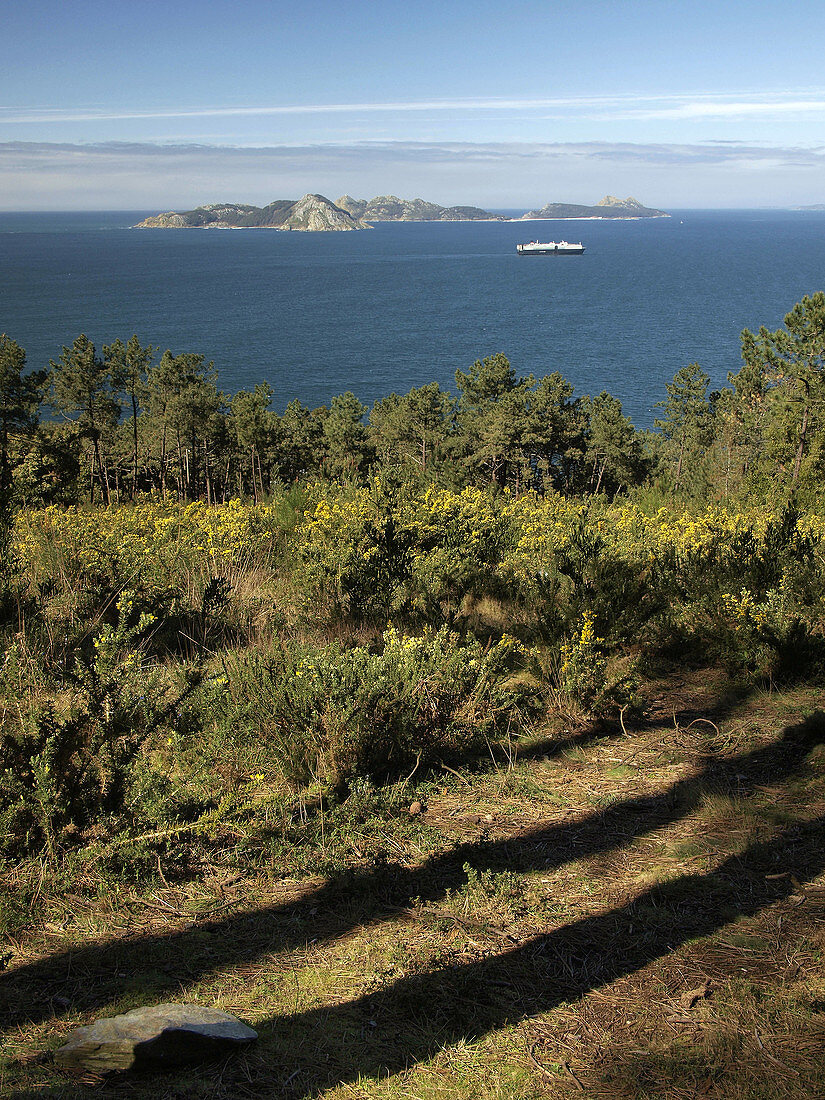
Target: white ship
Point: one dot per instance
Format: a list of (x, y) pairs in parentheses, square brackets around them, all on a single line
[(550, 248)]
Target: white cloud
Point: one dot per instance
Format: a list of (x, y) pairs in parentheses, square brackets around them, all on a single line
[(123, 175)]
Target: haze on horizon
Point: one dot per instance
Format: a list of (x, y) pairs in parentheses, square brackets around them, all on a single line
[(150, 106)]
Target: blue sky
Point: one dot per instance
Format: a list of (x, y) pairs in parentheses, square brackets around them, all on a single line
[(143, 104)]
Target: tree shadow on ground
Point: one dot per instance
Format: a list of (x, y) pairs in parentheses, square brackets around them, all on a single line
[(412, 1019), (84, 978), (409, 1021)]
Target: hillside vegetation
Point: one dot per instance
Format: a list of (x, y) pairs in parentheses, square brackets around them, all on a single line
[(473, 747)]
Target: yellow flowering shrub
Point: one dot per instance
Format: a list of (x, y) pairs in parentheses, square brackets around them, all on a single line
[(423, 556), (457, 542), (148, 540), (583, 664)]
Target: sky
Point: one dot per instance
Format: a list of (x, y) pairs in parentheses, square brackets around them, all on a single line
[(149, 105)]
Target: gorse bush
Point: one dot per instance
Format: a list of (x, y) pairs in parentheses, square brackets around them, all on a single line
[(374, 552), (583, 672), (424, 557), (150, 546), (591, 589), (330, 713), (63, 773)]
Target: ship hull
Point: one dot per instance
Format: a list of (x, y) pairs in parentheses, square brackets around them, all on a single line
[(550, 250)]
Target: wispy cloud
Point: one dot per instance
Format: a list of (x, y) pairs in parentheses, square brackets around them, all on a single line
[(736, 108), (123, 152), (617, 107)]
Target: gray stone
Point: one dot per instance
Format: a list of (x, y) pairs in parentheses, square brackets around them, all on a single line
[(156, 1036)]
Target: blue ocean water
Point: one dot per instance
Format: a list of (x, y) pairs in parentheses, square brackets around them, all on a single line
[(315, 314)]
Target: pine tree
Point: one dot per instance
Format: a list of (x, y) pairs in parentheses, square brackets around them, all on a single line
[(347, 447), (688, 424), (780, 393), (128, 367), (184, 401), (492, 419), (412, 428), (81, 389), (613, 446), (252, 426)]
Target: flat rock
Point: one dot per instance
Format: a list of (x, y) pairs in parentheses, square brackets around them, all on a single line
[(155, 1036)]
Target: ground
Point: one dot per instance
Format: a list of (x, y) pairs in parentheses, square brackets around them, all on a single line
[(630, 909)]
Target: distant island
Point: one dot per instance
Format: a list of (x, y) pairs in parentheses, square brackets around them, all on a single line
[(609, 207), (315, 213)]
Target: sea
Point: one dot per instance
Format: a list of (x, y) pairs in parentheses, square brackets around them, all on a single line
[(404, 304)]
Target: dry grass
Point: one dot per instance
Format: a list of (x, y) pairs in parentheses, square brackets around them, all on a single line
[(633, 912)]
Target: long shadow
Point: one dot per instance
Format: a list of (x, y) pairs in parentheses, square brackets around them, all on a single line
[(93, 975), (411, 1020)]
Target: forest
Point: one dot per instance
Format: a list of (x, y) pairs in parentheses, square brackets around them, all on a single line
[(127, 423), (243, 646)]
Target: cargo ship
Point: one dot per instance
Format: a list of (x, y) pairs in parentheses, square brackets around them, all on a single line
[(550, 248)]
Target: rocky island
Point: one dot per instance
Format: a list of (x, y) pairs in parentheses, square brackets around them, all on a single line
[(312, 213), (609, 207), (315, 213)]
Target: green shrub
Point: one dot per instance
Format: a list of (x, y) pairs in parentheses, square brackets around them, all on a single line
[(331, 713), (64, 773)]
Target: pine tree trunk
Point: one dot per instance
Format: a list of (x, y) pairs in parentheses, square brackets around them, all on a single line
[(180, 478), (803, 431), (225, 486), (593, 473), (206, 473), (601, 475), (104, 485), (104, 488), (194, 479), (261, 476), (679, 463), (135, 445), (163, 463)]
